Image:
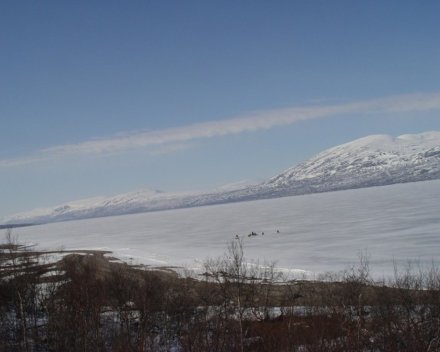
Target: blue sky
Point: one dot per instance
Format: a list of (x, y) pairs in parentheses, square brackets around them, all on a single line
[(103, 98)]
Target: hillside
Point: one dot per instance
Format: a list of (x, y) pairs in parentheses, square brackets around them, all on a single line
[(376, 160)]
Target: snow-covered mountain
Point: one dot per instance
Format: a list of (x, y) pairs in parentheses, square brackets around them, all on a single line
[(376, 160), (370, 161)]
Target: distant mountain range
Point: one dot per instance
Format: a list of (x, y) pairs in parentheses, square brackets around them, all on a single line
[(375, 160)]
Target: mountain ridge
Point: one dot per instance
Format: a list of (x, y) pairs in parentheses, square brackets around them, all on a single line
[(375, 160)]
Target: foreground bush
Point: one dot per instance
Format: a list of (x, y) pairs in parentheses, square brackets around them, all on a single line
[(85, 303)]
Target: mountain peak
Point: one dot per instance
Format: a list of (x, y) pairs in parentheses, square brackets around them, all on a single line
[(375, 160), (368, 161)]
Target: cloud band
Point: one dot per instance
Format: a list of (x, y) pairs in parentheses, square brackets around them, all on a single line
[(251, 122)]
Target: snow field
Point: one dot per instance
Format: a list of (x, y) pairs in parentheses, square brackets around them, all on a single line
[(317, 233)]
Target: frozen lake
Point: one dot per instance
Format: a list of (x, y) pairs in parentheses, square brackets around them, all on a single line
[(318, 233)]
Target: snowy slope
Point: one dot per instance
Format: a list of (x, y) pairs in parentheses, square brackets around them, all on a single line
[(376, 160), (317, 232)]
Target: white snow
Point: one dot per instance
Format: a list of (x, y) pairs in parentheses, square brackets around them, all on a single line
[(369, 161), (367, 157), (318, 232)]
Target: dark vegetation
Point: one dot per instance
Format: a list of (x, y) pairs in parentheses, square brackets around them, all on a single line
[(86, 302)]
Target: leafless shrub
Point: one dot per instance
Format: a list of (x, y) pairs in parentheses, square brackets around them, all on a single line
[(90, 304)]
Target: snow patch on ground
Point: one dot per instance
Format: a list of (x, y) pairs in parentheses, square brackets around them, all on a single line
[(317, 233)]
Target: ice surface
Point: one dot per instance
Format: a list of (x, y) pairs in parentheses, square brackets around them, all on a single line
[(318, 232)]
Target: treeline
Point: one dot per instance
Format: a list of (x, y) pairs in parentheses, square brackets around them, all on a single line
[(87, 303)]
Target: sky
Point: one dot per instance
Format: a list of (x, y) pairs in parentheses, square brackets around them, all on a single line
[(103, 98)]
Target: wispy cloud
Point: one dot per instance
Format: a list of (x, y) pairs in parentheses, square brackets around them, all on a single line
[(172, 139), (169, 148)]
